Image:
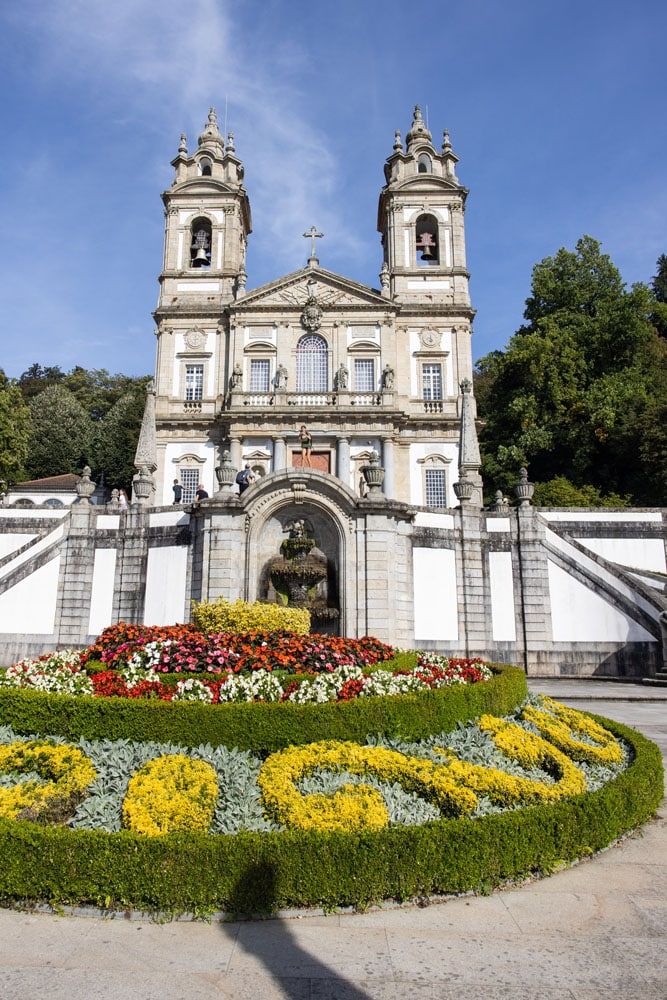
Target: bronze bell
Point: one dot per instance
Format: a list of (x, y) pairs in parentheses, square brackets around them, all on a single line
[(201, 257)]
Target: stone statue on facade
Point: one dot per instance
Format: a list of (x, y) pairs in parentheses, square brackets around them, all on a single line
[(388, 377), (236, 377), (280, 378), (342, 378)]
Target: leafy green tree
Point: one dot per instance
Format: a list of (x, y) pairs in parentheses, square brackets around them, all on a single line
[(659, 283), (560, 492), (115, 439), (573, 393), (37, 378), (14, 432), (61, 435)]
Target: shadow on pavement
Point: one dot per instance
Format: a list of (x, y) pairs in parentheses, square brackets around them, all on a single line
[(272, 942)]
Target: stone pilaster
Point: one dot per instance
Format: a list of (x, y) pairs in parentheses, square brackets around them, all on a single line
[(76, 578)]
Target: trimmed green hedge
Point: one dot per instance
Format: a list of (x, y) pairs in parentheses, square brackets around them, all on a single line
[(261, 726), (252, 873)]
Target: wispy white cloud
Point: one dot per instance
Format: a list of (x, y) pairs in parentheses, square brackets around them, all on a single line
[(161, 65)]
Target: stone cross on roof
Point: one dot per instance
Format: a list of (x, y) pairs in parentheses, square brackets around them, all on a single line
[(313, 235)]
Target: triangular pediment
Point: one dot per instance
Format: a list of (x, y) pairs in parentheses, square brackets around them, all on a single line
[(332, 291)]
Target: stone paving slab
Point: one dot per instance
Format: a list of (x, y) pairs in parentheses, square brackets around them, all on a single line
[(595, 930)]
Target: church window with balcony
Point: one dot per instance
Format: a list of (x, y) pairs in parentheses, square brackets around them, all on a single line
[(194, 382), (312, 364), (426, 241), (435, 487), (189, 481), (432, 381), (260, 375), (364, 375)]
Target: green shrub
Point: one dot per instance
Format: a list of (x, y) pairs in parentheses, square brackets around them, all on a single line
[(239, 616), (251, 872), (261, 726)]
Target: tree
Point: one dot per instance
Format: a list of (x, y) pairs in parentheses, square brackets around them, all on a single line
[(14, 432), (560, 492), (61, 435), (659, 287), (115, 439), (659, 282), (573, 392), (38, 378)]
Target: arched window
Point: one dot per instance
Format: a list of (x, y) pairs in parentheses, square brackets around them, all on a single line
[(200, 243), (426, 241), (205, 167), (312, 364), (424, 165)]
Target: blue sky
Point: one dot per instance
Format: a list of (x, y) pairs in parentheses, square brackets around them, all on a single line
[(557, 112)]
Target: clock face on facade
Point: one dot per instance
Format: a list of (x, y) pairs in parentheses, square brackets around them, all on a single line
[(430, 338)]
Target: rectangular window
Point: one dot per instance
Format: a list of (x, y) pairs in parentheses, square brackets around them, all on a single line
[(194, 382), (260, 374), (189, 482), (364, 375), (432, 381), (436, 487)]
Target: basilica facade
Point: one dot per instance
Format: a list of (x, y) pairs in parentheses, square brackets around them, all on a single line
[(366, 370)]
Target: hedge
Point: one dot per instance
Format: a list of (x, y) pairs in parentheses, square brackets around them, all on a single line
[(261, 726), (240, 616), (253, 873)]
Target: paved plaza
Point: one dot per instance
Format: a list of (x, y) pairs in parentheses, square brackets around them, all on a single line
[(596, 930)]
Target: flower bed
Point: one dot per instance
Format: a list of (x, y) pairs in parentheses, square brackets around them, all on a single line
[(335, 822), (184, 649), (66, 673)]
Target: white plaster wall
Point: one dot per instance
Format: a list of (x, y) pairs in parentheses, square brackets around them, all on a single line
[(436, 603), (101, 594), (599, 515), (168, 518), (11, 542), (108, 521), (426, 520), (40, 546), (30, 606), (447, 450), (31, 514), (165, 585), (502, 596), (578, 614), (640, 553), (39, 497), (497, 524)]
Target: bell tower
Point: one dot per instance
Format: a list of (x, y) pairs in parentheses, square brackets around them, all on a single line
[(208, 221), (420, 218)]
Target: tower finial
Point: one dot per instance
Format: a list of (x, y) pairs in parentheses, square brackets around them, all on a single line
[(446, 141), (398, 145), (211, 137), (183, 144), (231, 148), (418, 130)]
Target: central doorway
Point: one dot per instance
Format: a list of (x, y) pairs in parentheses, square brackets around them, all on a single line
[(320, 460)]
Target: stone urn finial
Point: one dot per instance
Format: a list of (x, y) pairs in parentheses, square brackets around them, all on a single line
[(85, 487), (464, 489), (499, 501), (226, 475), (524, 489), (142, 485), (374, 475), (115, 498)]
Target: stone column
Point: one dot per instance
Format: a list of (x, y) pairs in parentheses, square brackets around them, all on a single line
[(388, 463), (343, 460), (279, 453), (235, 451)]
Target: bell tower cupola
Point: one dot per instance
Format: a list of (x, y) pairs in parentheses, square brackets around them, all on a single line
[(420, 218)]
